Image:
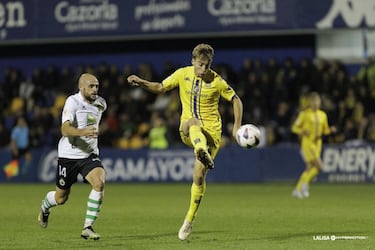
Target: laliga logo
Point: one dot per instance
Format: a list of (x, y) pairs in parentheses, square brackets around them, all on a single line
[(353, 12), (12, 15)]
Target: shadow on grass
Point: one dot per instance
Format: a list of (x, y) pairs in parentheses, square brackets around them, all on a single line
[(195, 234), (214, 236)]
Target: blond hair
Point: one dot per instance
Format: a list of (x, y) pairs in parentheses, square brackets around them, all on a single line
[(313, 95), (203, 50)]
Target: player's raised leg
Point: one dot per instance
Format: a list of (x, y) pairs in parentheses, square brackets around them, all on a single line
[(96, 178), (199, 141)]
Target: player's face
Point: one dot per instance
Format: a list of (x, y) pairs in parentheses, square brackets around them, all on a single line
[(201, 65), (315, 103), (90, 90), (21, 122)]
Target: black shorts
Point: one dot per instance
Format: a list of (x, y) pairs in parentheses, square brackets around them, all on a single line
[(68, 170)]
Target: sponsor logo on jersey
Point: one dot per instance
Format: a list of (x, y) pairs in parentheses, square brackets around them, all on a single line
[(91, 120)]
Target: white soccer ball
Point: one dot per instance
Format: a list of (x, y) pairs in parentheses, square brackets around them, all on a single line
[(248, 136)]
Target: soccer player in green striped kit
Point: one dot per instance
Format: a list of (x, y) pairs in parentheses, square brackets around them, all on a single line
[(78, 153)]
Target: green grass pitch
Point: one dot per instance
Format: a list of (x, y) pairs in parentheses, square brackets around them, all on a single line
[(231, 216)]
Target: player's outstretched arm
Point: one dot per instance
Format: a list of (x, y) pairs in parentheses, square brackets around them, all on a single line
[(155, 87), (238, 112)]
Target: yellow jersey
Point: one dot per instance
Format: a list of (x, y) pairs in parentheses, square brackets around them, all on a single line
[(200, 97), (315, 122)]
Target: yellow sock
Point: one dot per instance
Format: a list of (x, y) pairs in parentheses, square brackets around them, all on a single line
[(195, 199), (302, 179), (197, 138), (307, 176), (312, 173)]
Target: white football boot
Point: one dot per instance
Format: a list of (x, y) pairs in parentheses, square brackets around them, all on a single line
[(305, 190), (185, 230), (297, 194), (89, 233)]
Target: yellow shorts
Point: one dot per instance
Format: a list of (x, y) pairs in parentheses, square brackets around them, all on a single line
[(213, 140), (311, 151)]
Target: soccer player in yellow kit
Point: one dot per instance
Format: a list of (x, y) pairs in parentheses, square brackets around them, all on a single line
[(200, 89), (311, 124)]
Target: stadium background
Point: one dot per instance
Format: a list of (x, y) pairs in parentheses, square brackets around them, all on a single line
[(268, 54)]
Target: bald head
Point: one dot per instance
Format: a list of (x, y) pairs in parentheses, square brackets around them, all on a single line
[(85, 79), (88, 85)]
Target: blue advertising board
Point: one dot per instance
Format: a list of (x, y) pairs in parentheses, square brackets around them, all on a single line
[(175, 165), (36, 20), (17, 20), (349, 164), (342, 163)]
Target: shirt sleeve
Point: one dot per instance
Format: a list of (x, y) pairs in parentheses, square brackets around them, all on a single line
[(173, 80), (68, 110), (298, 124), (101, 104), (226, 91)]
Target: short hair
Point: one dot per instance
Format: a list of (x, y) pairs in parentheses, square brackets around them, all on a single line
[(205, 50), (313, 95)]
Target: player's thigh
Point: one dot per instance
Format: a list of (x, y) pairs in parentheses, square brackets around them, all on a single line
[(317, 162), (185, 139), (67, 172), (92, 170), (310, 152), (213, 137), (184, 133), (186, 124)]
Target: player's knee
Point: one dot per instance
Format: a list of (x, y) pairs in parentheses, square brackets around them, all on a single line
[(193, 121), (61, 199), (316, 164), (98, 185)]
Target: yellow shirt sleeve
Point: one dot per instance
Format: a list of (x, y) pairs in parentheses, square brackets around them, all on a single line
[(225, 90), (173, 80), (297, 126)]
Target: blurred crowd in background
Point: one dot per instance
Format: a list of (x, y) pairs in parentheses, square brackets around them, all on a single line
[(272, 93)]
